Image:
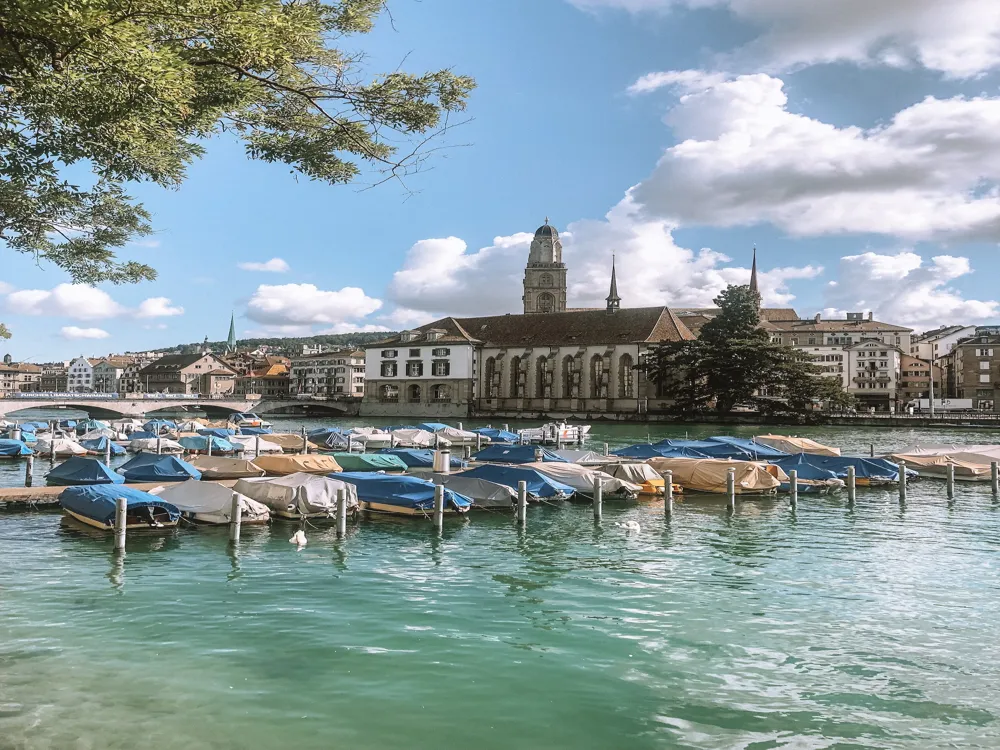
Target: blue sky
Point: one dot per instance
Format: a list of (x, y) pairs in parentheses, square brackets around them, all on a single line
[(856, 144)]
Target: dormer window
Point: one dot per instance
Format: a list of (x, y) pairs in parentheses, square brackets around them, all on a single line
[(407, 336)]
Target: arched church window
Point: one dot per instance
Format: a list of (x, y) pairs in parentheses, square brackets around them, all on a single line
[(545, 279), (546, 303), (626, 377)]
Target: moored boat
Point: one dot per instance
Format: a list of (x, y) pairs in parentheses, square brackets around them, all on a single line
[(94, 505), (149, 467), (482, 492), (211, 503), (401, 494), (79, 470), (298, 496), (710, 475), (308, 463), (224, 467), (539, 485)]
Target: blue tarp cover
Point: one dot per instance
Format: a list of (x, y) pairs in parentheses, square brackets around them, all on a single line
[(200, 443), (432, 426), (256, 430), (498, 436), (878, 468), (222, 432), (404, 491), (97, 501), (643, 451), (14, 448), (148, 467), (68, 424), (155, 425), (417, 458), (323, 432), (80, 470), (142, 435), (516, 454), (34, 426), (760, 451), (539, 485), (100, 445), (369, 462)]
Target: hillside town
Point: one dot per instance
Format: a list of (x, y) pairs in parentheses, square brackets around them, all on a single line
[(549, 358)]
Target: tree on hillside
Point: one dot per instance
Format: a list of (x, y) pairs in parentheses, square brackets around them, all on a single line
[(734, 363), (95, 94)]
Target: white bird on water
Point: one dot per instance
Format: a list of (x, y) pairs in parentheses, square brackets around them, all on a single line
[(299, 538), (630, 527)]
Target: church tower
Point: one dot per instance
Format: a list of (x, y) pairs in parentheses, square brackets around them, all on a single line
[(753, 277), (545, 274)]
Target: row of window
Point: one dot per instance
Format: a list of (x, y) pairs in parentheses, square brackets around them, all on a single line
[(393, 353), (439, 369), (414, 393)]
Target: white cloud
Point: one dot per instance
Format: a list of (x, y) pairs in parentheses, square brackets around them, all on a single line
[(441, 277), (74, 332), (158, 307), (960, 38), (744, 158), (306, 305), (353, 328), (5, 288), (77, 301), (403, 318), (275, 265), (904, 289)]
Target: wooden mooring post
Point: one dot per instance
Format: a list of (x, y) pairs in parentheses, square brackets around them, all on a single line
[(668, 493)]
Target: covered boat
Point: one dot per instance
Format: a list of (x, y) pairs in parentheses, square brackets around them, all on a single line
[(456, 436), (644, 451), (248, 419), (757, 451), (401, 494), (371, 437), (79, 470), (88, 425), (867, 471), (416, 458), (99, 447), (159, 426), (432, 426), (288, 442), (221, 467), (790, 444), (482, 492), (154, 444), (407, 438), (255, 430), (126, 423), (710, 475), (149, 467), (94, 505), (516, 454), (190, 425), (388, 463), (585, 458), (222, 432), (539, 485), (63, 447), (811, 479), (309, 463), (555, 433), (583, 478), (969, 467), (140, 435), (298, 495), (100, 432), (208, 502), (642, 474), (200, 443), (254, 443), (13, 448), (498, 436), (339, 441)]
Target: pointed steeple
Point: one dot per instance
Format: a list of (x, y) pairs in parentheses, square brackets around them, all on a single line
[(231, 341), (753, 273), (614, 301)]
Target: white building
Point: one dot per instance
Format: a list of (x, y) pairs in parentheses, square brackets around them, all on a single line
[(81, 375), (108, 374), (939, 342), (874, 369), (333, 373)]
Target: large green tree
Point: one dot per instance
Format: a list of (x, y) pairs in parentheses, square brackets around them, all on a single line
[(95, 94), (733, 362)]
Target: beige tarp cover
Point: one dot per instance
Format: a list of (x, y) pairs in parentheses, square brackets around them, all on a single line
[(419, 439), (148, 445), (709, 474), (250, 443), (796, 445), (310, 463), (967, 465), (581, 478), (217, 467), (305, 494), (641, 474), (288, 441), (929, 449), (64, 447), (210, 502), (456, 436)]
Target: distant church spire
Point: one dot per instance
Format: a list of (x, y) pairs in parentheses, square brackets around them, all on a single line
[(753, 274), (614, 301), (231, 341)]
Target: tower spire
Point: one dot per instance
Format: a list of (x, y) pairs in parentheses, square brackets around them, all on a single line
[(231, 341), (614, 301), (753, 273)]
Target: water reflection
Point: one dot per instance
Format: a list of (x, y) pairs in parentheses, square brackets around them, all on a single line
[(117, 572)]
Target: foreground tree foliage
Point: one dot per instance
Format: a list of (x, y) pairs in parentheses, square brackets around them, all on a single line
[(98, 93), (733, 363)]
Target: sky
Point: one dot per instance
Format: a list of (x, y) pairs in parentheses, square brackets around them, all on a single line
[(855, 143)]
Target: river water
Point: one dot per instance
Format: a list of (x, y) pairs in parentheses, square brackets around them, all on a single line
[(824, 627)]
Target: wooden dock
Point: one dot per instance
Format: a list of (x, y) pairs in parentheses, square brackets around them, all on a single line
[(19, 497)]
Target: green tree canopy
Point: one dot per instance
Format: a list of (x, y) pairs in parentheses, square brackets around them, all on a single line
[(734, 363), (95, 94)]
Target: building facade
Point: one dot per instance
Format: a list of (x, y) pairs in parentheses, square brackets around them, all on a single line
[(188, 373), (108, 374), (939, 342), (338, 373), (915, 380), (269, 378), (976, 376), (80, 376)]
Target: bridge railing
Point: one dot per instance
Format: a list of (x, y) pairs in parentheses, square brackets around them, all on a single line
[(82, 396)]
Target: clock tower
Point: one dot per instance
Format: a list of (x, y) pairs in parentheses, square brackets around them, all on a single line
[(545, 274)]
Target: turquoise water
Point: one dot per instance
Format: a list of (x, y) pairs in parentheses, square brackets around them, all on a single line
[(823, 627)]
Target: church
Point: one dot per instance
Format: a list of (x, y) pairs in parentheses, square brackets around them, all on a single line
[(549, 361)]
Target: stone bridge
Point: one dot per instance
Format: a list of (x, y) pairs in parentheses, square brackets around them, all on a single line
[(141, 407)]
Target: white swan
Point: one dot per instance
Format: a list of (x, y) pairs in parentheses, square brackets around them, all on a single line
[(299, 538), (630, 526)]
